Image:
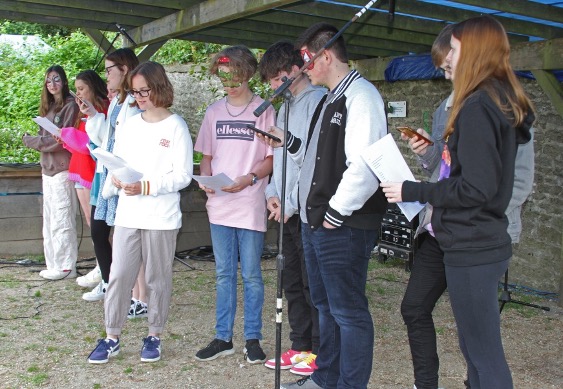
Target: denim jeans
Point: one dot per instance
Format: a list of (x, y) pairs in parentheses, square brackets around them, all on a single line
[(426, 284), (337, 263), (228, 244)]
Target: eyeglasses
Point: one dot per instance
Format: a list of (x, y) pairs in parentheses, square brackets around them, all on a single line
[(109, 68), (308, 57), (53, 80), (142, 93)]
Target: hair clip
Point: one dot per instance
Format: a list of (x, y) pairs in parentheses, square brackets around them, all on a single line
[(223, 60)]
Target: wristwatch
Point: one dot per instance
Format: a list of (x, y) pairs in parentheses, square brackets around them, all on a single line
[(254, 178)]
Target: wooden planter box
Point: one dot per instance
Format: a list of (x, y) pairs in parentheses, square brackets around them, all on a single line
[(21, 218)]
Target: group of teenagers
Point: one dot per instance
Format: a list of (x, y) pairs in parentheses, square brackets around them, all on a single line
[(480, 170)]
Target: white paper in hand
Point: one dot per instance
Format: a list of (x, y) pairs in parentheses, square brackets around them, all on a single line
[(117, 166), (215, 182), (48, 125), (386, 161)]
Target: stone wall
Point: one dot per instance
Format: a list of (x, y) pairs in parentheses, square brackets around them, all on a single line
[(537, 260)]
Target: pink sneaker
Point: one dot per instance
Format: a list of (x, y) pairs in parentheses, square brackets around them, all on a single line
[(305, 367), (288, 359)]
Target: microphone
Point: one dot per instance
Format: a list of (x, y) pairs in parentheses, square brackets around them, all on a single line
[(124, 33)]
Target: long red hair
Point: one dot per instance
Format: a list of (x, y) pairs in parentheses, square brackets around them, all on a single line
[(484, 63)]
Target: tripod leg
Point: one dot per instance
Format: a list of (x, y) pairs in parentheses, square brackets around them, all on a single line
[(505, 295), (184, 262), (506, 298)]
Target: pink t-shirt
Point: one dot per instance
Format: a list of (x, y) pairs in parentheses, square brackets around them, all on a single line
[(235, 151)]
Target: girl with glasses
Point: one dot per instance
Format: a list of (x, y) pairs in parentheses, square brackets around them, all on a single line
[(59, 201), (158, 144)]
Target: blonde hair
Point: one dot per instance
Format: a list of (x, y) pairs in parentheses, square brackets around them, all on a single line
[(484, 63)]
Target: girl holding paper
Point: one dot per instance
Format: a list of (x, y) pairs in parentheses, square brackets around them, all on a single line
[(59, 201), (158, 144)]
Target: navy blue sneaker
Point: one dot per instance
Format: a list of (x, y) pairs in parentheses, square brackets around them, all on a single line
[(106, 348), (151, 349)]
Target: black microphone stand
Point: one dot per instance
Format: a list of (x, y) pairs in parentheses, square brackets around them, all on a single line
[(280, 258), (106, 53)]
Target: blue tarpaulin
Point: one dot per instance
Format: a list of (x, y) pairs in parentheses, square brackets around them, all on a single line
[(420, 67)]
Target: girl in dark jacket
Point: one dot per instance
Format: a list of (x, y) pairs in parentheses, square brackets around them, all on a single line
[(490, 116)]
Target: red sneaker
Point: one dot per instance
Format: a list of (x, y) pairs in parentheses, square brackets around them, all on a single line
[(305, 367), (288, 359)]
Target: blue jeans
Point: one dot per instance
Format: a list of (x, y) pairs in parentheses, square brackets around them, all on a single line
[(337, 263), (228, 244)]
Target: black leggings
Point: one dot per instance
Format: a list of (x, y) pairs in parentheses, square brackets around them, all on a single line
[(100, 232)]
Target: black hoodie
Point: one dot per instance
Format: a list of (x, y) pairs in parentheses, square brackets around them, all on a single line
[(468, 217)]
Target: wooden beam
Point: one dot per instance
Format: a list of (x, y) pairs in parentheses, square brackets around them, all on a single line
[(205, 14), (149, 51), (357, 35), (542, 55), (99, 40), (71, 17), (174, 4), (551, 87), (116, 8), (521, 7), (448, 13)]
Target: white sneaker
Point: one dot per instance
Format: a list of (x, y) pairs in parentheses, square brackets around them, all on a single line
[(90, 280), (98, 293), (57, 274), (138, 309)]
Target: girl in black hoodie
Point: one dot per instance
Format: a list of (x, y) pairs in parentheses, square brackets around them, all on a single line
[(490, 116)]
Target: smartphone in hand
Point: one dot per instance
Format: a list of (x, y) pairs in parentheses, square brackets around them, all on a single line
[(76, 97), (271, 136), (411, 132)]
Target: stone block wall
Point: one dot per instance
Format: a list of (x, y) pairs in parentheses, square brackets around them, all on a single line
[(537, 261)]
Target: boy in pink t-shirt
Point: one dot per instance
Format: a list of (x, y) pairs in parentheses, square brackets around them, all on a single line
[(237, 217)]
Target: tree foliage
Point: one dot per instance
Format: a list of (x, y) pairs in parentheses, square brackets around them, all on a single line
[(22, 78)]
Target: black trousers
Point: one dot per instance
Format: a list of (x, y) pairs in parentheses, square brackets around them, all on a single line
[(302, 316), (100, 232), (426, 284)]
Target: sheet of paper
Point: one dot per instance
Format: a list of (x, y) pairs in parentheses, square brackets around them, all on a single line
[(215, 182), (48, 125), (117, 166), (386, 161)]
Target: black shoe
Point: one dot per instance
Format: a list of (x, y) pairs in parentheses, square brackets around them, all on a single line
[(214, 350), (253, 353)]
